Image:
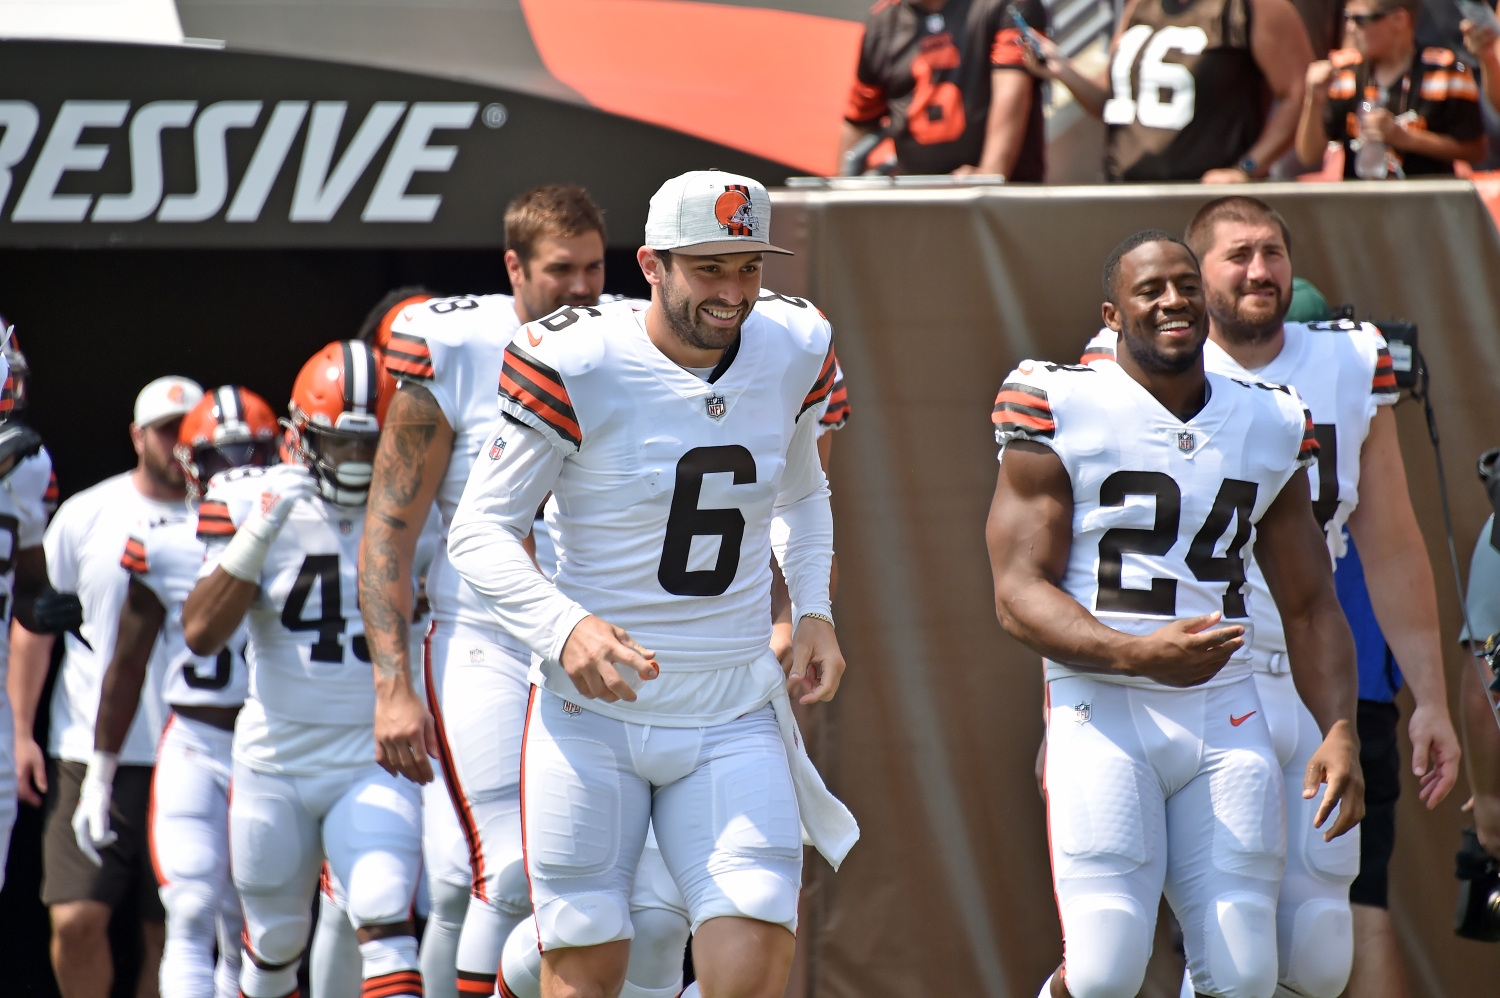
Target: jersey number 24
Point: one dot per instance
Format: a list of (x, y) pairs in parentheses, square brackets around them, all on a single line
[(1235, 502)]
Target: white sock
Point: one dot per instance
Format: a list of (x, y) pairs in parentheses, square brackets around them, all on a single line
[(333, 969), (521, 963), (391, 967), (482, 941), (445, 920)]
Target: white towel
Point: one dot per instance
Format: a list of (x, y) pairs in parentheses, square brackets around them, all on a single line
[(827, 824)]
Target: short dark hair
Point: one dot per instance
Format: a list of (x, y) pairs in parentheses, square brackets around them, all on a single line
[(370, 328), (1234, 208), (1129, 243), (552, 210)]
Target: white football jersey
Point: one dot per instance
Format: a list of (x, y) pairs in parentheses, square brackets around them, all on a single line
[(33, 486), (21, 527), (1342, 371), (165, 555), (1162, 508), (308, 657), (83, 546), (455, 348), (668, 481)]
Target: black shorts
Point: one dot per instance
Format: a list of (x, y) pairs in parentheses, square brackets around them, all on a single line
[(1380, 758), (69, 875)]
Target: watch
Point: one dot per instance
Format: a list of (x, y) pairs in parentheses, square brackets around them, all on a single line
[(1249, 165)]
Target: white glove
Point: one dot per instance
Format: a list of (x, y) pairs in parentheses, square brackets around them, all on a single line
[(282, 486), (91, 819)]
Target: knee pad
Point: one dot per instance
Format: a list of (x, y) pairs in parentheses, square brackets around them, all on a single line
[(753, 893), (258, 982), (380, 890), (1107, 946), (656, 952), (512, 890), (521, 962), (1240, 948), (1321, 949), (276, 938), (448, 902), (583, 920), (192, 912)]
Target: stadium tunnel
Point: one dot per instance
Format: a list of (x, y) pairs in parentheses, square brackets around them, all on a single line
[(222, 214)]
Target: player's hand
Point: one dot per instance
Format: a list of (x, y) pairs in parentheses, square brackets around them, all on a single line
[(91, 817), (1434, 752), (282, 487), (405, 735), (1319, 74), (593, 656), (1184, 652), (1336, 763), (781, 644), (817, 663), (31, 771)]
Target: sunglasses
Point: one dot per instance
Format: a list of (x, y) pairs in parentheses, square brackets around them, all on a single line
[(1365, 20)]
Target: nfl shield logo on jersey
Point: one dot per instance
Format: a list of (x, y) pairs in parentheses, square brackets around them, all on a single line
[(1186, 441), (571, 708), (1082, 712), (715, 406), (497, 448)]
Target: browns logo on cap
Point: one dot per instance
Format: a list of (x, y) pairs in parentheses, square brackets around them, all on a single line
[(711, 213)]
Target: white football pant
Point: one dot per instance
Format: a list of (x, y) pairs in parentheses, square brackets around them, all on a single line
[(477, 692), (659, 917), (1176, 792), (720, 798), (1314, 929), (7, 781), (367, 824), (189, 833)]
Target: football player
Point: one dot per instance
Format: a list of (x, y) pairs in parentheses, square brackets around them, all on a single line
[(447, 354), (1344, 374), (672, 437), (82, 547), (282, 548), (1160, 773), (23, 570), (188, 822)]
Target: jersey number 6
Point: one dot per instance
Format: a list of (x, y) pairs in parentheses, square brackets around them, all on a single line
[(1235, 501), (687, 521)]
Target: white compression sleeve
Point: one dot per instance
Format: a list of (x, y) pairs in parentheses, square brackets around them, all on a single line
[(484, 540), (802, 529)]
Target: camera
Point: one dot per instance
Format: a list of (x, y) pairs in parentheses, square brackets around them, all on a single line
[(1478, 913)]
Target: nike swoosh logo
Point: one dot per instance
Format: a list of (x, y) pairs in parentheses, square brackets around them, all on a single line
[(1237, 721), (535, 341)]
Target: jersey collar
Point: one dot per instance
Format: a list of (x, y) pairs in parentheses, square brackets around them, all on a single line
[(733, 374), (1187, 436)]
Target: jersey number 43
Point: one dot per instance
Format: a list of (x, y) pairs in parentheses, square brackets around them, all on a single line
[(1235, 502), (321, 570)]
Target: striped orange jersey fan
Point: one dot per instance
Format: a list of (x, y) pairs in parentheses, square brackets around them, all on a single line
[(229, 427), (338, 403)]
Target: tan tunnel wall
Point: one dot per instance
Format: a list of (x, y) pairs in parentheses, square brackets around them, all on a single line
[(934, 297)]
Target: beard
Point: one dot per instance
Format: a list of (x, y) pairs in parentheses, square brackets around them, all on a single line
[(1149, 358), (682, 315), (1237, 327)]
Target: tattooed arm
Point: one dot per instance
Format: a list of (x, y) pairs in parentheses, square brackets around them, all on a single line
[(415, 447)]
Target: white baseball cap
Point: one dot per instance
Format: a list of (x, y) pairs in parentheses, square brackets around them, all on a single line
[(707, 212), (166, 398)]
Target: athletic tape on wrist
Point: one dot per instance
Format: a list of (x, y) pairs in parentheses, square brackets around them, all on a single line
[(246, 553)]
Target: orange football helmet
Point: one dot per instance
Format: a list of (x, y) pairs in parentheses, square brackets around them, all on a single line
[(13, 391), (230, 427), (382, 335), (338, 403)]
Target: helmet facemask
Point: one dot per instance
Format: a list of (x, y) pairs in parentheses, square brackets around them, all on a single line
[(233, 447), (342, 456)]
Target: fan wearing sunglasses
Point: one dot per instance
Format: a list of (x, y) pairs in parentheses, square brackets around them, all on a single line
[(1423, 105)]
